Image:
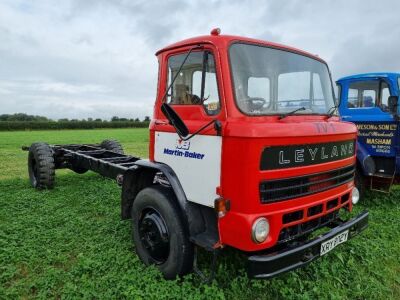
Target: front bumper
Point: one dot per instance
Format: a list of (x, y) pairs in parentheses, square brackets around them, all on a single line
[(273, 264)]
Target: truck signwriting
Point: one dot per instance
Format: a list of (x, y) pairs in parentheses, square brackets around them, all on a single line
[(378, 138), (303, 155)]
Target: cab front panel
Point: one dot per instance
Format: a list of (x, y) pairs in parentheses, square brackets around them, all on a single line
[(309, 195)]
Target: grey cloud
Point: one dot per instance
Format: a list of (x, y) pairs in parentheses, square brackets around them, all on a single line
[(154, 21), (83, 39), (95, 58), (361, 55)]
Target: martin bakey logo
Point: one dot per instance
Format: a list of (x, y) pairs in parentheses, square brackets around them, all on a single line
[(183, 145), (182, 150)]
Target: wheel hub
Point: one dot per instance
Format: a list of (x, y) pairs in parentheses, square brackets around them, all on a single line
[(154, 235)]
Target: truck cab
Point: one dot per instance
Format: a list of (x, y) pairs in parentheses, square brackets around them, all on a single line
[(275, 156), (371, 102)]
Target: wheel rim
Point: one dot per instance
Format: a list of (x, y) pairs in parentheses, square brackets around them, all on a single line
[(154, 236)]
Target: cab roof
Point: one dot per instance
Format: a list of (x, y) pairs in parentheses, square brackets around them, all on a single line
[(370, 75), (225, 40)]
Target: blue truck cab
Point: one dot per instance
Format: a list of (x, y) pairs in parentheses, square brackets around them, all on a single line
[(371, 102)]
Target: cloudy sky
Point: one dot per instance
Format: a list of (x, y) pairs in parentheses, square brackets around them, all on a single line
[(88, 58)]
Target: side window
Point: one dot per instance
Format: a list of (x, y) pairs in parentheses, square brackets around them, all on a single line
[(384, 94), (210, 101), (186, 89), (363, 94), (259, 87)]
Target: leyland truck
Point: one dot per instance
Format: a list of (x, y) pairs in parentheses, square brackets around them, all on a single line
[(245, 152)]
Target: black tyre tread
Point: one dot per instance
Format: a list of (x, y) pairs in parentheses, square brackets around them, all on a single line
[(184, 263), (359, 181), (43, 155), (112, 145)]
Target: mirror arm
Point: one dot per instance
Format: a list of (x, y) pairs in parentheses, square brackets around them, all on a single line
[(179, 70), (218, 128)]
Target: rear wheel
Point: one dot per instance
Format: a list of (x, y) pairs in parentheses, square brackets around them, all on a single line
[(158, 232), (41, 167), (112, 145)]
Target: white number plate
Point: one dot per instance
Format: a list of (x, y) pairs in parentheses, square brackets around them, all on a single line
[(333, 242)]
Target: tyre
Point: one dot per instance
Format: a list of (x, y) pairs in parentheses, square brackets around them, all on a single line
[(112, 145), (158, 232), (41, 167), (359, 181)]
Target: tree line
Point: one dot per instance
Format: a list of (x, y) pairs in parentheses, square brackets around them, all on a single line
[(32, 118), (21, 121)]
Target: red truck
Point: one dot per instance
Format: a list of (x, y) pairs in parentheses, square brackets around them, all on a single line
[(244, 152)]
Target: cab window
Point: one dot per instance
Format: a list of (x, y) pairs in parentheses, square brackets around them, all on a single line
[(187, 87), (384, 96), (318, 94), (352, 98), (363, 94), (300, 81), (368, 98), (259, 87)]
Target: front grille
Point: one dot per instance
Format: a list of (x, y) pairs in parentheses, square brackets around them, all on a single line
[(314, 210), (295, 231), (284, 189), (318, 215), (291, 217)]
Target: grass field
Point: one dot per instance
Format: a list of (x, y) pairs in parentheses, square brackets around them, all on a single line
[(70, 242)]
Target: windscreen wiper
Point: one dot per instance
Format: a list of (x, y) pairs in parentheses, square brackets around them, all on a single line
[(332, 110), (291, 112)]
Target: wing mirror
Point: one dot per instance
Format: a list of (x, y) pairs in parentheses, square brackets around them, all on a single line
[(393, 103), (175, 120)]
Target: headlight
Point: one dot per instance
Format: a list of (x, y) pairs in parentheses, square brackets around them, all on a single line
[(260, 230), (355, 195)]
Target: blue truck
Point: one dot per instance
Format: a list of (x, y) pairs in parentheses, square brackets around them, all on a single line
[(371, 102)]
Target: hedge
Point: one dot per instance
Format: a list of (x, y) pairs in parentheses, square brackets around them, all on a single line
[(35, 125)]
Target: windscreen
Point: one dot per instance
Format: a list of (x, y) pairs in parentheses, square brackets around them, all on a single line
[(269, 81)]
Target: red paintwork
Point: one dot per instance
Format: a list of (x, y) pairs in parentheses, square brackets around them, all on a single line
[(244, 138)]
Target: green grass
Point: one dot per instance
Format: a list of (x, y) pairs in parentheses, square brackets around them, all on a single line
[(71, 243)]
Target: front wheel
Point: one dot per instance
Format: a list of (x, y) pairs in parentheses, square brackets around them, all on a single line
[(359, 182), (158, 232)]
